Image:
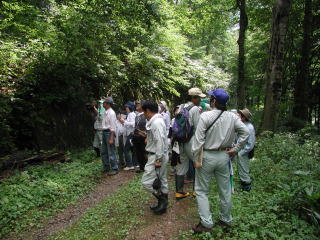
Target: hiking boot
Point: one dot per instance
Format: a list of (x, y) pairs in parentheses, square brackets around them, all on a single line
[(163, 204), (179, 183), (193, 194), (112, 173), (157, 205), (224, 224), (246, 186), (181, 195), (97, 150), (200, 229)]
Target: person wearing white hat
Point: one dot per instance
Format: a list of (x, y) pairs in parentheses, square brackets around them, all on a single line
[(193, 106), (243, 159)]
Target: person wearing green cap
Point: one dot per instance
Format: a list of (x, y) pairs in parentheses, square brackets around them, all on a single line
[(215, 135), (98, 112)]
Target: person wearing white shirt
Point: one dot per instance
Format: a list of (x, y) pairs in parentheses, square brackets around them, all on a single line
[(129, 125), (109, 159), (120, 140), (165, 117)]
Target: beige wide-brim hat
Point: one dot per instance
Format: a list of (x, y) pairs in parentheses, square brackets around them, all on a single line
[(196, 92), (245, 112)]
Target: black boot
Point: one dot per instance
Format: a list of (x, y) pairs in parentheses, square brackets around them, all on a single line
[(157, 205), (163, 204), (246, 186), (180, 194), (97, 150)]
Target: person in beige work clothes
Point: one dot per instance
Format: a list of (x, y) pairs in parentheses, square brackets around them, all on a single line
[(216, 141)]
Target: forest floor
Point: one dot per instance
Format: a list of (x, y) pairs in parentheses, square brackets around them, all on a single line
[(147, 227), (117, 207), (71, 214)]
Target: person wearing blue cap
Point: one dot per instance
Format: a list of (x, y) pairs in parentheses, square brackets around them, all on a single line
[(108, 154), (215, 136), (129, 125)]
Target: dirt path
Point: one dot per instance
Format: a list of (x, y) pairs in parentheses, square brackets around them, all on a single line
[(180, 216), (71, 214)]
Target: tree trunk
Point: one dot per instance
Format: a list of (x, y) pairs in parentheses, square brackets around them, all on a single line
[(301, 91), (274, 70), (241, 102)]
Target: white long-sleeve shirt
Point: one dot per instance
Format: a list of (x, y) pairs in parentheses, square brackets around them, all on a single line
[(166, 119), (109, 120), (98, 122), (119, 133), (157, 141), (129, 123), (221, 134), (251, 140)]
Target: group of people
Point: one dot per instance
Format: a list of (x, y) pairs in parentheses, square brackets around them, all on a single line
[(203, 138)]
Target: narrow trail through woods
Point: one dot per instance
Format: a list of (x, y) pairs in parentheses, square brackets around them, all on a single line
[(167, 226), (179, 217), (70, 215)]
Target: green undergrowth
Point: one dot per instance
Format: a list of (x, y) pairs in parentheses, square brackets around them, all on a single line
[(285, 200), (37, 192), (112, 218)]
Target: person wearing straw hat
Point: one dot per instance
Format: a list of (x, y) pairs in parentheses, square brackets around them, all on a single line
[(194, 109), (243, 159), (215, 134)]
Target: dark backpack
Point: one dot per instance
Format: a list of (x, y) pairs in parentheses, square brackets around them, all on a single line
[(181, 129)]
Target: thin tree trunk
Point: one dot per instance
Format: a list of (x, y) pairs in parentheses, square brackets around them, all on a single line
[(274, 70), (241, 101), (301, 92)]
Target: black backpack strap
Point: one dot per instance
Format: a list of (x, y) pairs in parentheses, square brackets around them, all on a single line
[(214, 121), (189, 107)]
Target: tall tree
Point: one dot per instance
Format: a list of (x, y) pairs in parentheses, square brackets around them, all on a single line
[(302, 80), (241, 100), (273, 75)]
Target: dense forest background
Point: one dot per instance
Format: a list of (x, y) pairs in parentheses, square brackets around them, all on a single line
[(57, 55)]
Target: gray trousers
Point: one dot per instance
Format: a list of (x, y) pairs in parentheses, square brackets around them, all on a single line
[(185, 156), (215, 164), (97, 140), (243, 168), (150, 174)]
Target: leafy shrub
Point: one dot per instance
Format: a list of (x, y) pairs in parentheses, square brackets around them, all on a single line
[(284, 202)]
